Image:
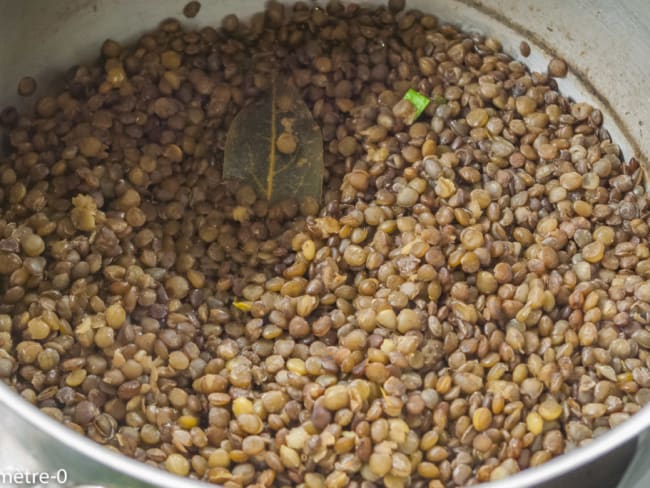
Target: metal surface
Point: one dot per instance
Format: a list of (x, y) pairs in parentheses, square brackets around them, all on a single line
[(638, 473), (33, 442), (606, 45)]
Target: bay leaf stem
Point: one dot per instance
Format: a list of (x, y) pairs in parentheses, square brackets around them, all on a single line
[(271, 175)]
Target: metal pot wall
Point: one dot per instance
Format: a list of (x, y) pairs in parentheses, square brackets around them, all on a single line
[(606, 45)]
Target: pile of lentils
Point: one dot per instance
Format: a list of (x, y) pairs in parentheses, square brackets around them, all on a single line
[(468, 300)]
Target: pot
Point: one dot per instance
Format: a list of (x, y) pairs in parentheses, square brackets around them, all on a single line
[(605, 45)]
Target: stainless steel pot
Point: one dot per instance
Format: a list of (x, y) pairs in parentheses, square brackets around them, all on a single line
[(605, 43)]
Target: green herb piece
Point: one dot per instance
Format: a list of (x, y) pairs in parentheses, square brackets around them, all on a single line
[(419, 101), (275, 145)]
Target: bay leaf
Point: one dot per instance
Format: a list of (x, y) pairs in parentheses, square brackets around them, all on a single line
[(275, 145)]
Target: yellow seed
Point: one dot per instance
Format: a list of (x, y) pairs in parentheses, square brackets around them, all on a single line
[(604, 234), (336, 397), (309, 249), (443, 385), (398, 430), (314, 480), (472, 238), (392, 481), (75, 378), (380, 463), (454, 257), (297, 438), (33, 245), (238, 456), (582, 208), (240, 213), (498, 404), (466, 312), (297, 366), (387, 346), (253, 445), (250, 423), (445, 187), (177, 464), (387, 318), (83, 219), (115, 316), (188, 421), (428, 470), (243, 306), (242, 405), (429, 147), (534, 423), (429, 440), (624, 378), (179, 361), (362, 387), (540, 457), (593, 252), (219, 475), (306, 304), (273, 401), (520, 373), (38, 329), (219, 459), (290, 458), (550, 410), (482, 419)]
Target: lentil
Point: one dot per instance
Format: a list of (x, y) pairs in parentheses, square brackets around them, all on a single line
[(191, 9), (286, 143), (557, 67), (481, 419), (550, 410), (26, 86)]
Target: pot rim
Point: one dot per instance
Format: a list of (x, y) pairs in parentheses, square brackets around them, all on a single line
[(90, 449), (554, 468)]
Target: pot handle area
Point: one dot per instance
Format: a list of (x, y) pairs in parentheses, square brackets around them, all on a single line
[(637, 474)]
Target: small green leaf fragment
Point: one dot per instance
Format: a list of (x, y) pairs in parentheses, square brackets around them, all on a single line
[(418, 100)]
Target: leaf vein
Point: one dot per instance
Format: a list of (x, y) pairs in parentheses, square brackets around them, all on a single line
[(251, 160), (271, 174)]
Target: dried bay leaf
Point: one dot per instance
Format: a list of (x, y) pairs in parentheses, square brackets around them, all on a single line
[(275, 145)]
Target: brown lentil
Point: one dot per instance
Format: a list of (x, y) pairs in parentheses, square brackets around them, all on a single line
[(191, 9), (286, 143), (557, 67), (26, 86)]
